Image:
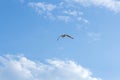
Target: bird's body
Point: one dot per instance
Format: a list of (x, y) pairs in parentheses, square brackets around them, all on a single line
[(65, 35)]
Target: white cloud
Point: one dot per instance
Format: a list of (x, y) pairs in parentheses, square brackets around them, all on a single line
[(42, 7), (73, 12), (21, 68), (113, 5), (61, 11), (70, 10)]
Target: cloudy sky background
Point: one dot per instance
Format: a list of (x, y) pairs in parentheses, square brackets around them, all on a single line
[(29, 49)]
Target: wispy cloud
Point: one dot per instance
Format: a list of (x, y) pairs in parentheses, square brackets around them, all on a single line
[(69, 10), (93, 36), (42, 7), (61, 11), (113, 5), (21, 68)]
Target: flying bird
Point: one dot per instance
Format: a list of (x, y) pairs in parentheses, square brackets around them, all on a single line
[(65, 35)]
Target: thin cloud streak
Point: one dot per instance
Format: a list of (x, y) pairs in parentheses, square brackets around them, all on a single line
[(93, 36)]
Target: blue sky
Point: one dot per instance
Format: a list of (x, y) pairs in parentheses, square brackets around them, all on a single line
[(30, 28)]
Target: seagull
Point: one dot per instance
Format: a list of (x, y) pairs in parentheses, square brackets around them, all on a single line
[(64, 35)]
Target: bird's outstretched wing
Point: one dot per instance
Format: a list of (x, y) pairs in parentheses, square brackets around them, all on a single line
[(64, 35), (70, 36), (58, 37)]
